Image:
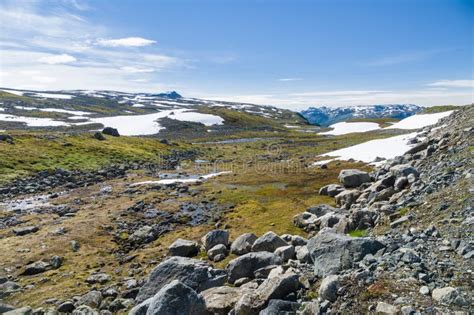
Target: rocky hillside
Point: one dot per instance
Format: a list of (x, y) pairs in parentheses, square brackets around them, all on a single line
[(325, 116), (398, 239), (80, 110)]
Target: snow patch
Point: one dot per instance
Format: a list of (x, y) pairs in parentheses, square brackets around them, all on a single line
[(343, 128), (419, 121), (33, 121), (179, 180), (371, 151)]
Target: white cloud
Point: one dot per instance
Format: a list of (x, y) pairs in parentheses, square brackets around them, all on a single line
[(137, 70), (454, 83), (126, 42), (289, 79), (57, 59)]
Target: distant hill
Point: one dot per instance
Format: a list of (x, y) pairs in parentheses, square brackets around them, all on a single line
[(325, 116)]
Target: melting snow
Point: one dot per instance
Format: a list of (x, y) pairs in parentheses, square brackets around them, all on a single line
[(134, 125), (179, 180), (387, 148), (32, 121), (369, 151), (50, 95), (343, 128), (419, 121)]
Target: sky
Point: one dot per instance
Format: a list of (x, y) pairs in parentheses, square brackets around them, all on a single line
[(292, 54)]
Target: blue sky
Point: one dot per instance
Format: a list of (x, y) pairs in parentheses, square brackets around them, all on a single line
[(292, 54)]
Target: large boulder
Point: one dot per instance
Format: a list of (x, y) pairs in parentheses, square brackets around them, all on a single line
[(403, 170), (196, 274), (111, 132), (332, 253), (321, 209), (176, 298), (276, 287), (243, 244), (245, 265), (268, 242), (330, 190), (328, 288), (183, 248), (217, 253), (448, 296), (346, 198), (280, 307), (214, 238), (353, 177), (221, 300)]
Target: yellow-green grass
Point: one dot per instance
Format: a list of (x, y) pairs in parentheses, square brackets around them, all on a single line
[(34, 151), (439, 109)]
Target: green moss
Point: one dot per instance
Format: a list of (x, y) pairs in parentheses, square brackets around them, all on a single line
[(358, 233), (33, 152)]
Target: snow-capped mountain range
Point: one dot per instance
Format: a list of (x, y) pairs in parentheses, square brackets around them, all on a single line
[(325, 116)]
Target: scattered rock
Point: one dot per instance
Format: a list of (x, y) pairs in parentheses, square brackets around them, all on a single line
[(196, 274), (245, 265), (268, 242), (353, 178), (243, 244), (183, 248), (111, 132), (214, 238)]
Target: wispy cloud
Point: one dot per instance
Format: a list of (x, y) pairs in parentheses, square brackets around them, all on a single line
[(401, 58), (61, 46), (137, 70), (126, 42), (289, 79), (57, 59), (453, 83)]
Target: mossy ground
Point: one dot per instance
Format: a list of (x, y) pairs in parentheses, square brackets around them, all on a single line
[(271, 181)]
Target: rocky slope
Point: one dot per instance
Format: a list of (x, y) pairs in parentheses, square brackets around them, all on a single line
[(399, 241)]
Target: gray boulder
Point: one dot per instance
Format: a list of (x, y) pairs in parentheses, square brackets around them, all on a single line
[(176, 298), (84, 310), (386, 309), (183, 248), (353, 177), (329, 287), (331, 190), (221, 300), (92, 299), (25, 230), (332, 253), (448, 296), (285, 252), (196, 274), (268, 242), (217, 253), (100, 278), (280, 307), (245, 265), (20, 311), (277, 287), (346, 198), (321, 209), (403, 170), (214, 238), (243, 244)]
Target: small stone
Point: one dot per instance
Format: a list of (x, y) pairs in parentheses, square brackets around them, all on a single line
[(385, 308), (424, 290)]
